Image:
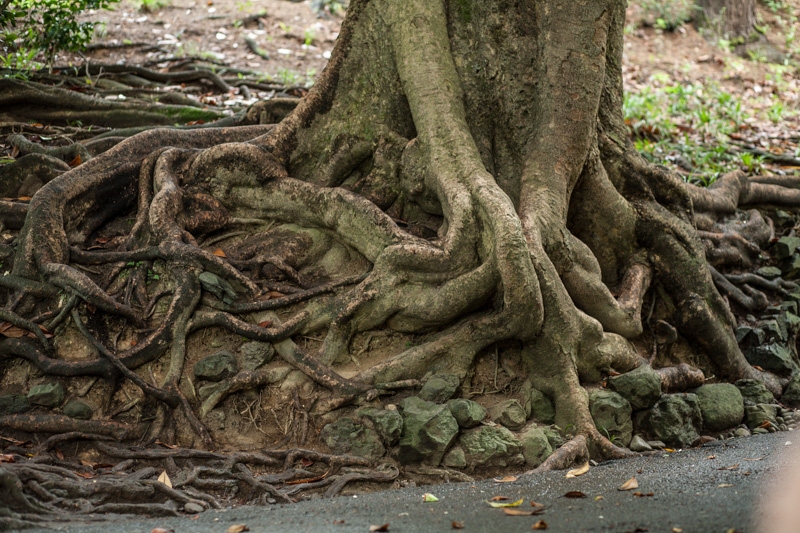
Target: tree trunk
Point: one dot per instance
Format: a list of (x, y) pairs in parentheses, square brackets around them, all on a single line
[(731, 19), (461, 166)]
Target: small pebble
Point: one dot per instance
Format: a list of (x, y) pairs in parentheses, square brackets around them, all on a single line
[(783, 427), (741, 432), (271, 501), (193, 508), (760, 431)]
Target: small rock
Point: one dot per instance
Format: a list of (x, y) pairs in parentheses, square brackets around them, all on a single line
[(428, 430), (756, 415), (78, 409), (256, 354), (193, 508), (754, 392), (702, 439), (467, 413), (785, 247), (638, 444), (741, 432), (769, 272), (491, 446), (641, 386), (216, 367), (721, 405), (272, 501), (535, 446), (12, 404), (791, 395), (674, 419), (388, 423), (760, 431), (455, 458), (774, 357), (439, 388), (218, 287), (48, 394), (783, 427), (508, 413), (612, 415), (347, 437), (554, 437), (656, 444), (542, 409)]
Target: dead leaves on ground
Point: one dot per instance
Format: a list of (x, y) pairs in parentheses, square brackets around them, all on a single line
[(505, 479), (164, 478), (498, 503), (578, 471), (384, 527), (630, 484), (575, 494), (239, 528), (541, 524), (13, 332)]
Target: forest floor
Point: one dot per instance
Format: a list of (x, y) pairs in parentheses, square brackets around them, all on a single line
[(694, 105)]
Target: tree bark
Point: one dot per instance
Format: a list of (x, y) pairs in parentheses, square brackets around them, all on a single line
[(731, 19)]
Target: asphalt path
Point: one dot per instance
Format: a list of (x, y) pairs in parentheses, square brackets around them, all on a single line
[(716, 488)]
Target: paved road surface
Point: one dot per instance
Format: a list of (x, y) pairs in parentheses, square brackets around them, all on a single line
[(692, 492)]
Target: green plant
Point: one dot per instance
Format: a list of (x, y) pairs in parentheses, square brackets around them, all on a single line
[(308, 35), (331, 6), (152, 5), (30, 27), (667, 15)]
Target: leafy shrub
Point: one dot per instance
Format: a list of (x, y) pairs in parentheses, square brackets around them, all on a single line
[(29, 27)]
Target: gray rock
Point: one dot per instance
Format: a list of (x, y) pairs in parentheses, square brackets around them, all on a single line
[(455, 458), (554, 437), (638, 444), (754, 392), (542, 409), (721, 405), (346, 436), (508, 413), (256, 354), (612, 415), (656, 444), (218, 287), (675, 419), (791, 395), (491, 446), (388, 423), (760, 431), (193, 508), (47, 394), (467, 413), (216, 367), (439, 388), (741, 432), (11, 404), (78, 409), (641, 386), (755, 415), (535, 446), (769, 272), (428, 430), (785, 247), (774, 357)]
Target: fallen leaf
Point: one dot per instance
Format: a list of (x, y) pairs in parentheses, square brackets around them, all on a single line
[(643, 494), (338, 522), (238, 528), (507, 504), (669, 450), (711, 457), (161, 530), (6, 458), (521, 512), (755, 459), (457, 525), (732, 467), (506, 479), (60, 454), (428, 497), (758, 368), (75, 162), (12, 332), (677, 530), (165, 445), (265, 324), (305, 462), (499, 498), (724, 485), (578, 471), (574, 494), (164, 478), (536, 504), (24, 198), (764, 425), (219, 253), (598, 498), (384, 527), (541, 524), (15, 442), (84, 475), (630, 484), (275, 294)]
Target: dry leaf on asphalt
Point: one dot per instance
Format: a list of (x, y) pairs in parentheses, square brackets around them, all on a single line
[(428, 497), (338, 522), (506, 504), (630, 484), (384, 527), (164, 478), (598, 498), (238, 528), (161, 530), (574, 494), (219, 253), (732, 467), (499, 498), (457, 525), (643, 494), (536, 504), (541, 524), (578, 471), (521, 512), (6, 458), (506, 479), (724, 485)]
